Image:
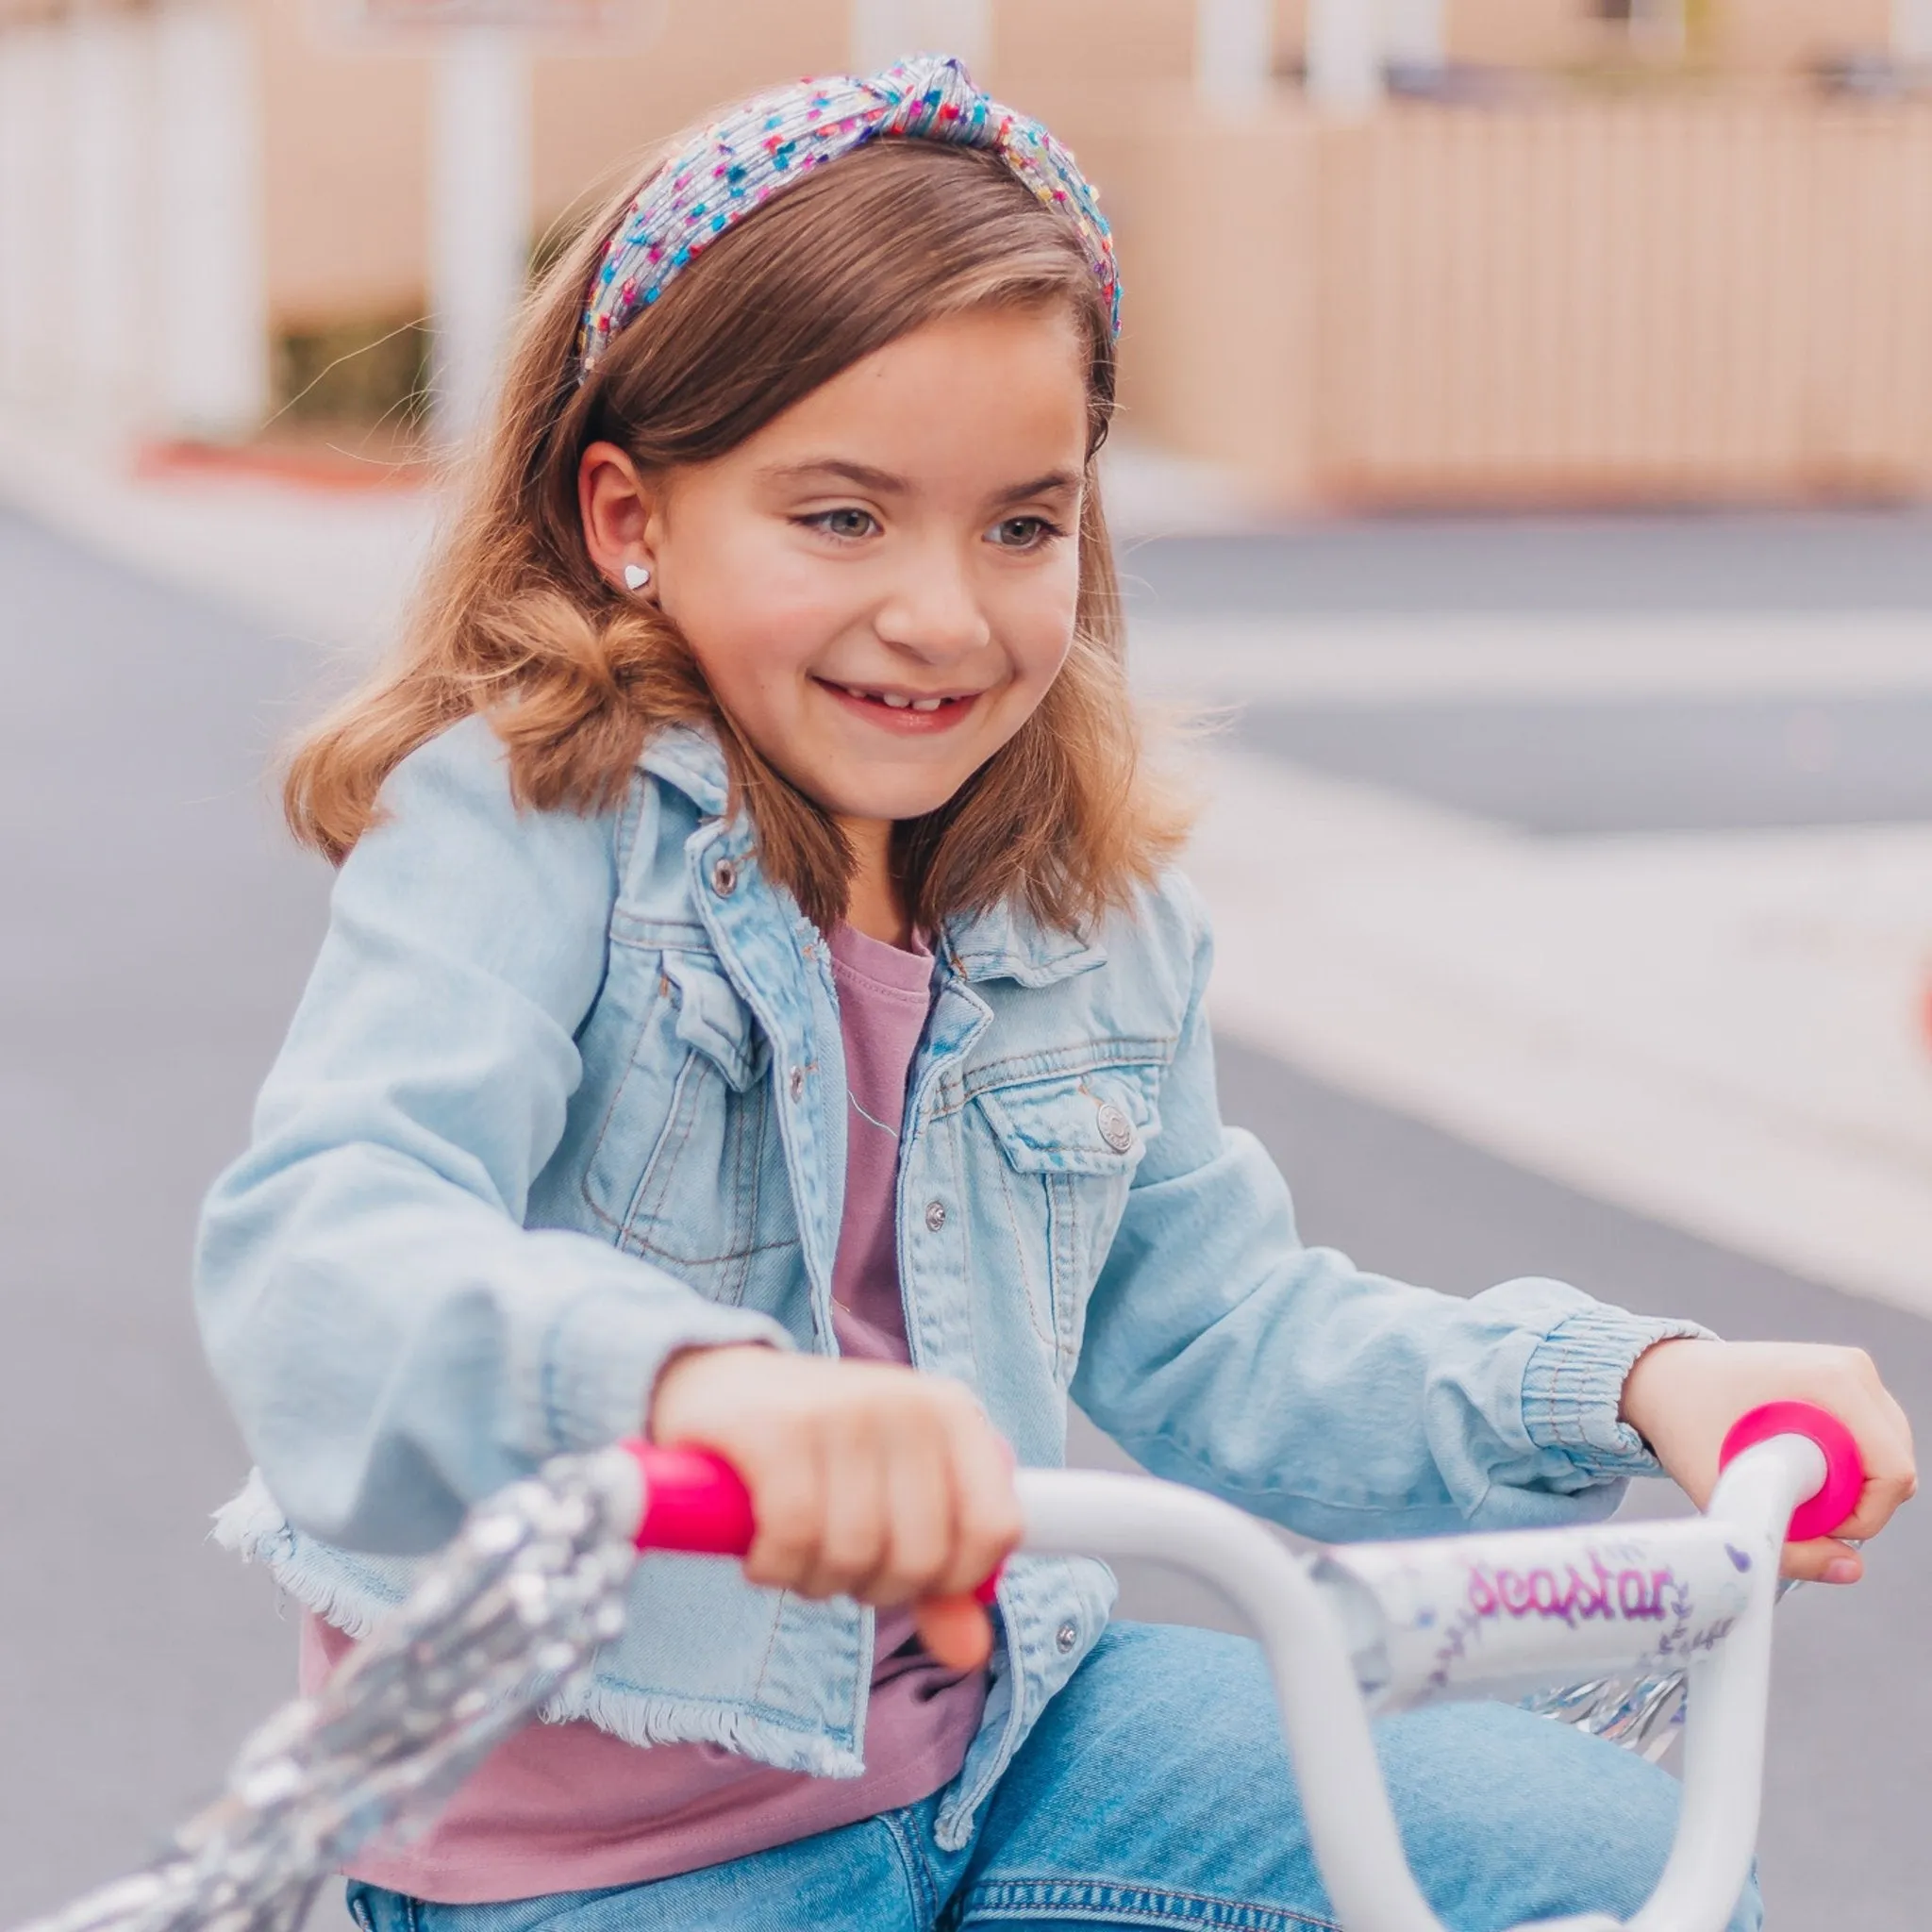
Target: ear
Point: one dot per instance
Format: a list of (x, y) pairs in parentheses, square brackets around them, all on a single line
[(618, 508)]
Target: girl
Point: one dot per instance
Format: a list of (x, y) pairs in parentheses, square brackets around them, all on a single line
[(757, 1008)]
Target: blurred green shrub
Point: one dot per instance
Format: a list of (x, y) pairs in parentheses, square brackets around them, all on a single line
[(368, 372)]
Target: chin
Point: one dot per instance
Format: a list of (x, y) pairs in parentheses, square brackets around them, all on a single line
[(899, 795), (897, 807)]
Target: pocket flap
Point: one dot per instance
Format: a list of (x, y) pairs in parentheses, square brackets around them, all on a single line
[(712, 1019), (1096, 1123)]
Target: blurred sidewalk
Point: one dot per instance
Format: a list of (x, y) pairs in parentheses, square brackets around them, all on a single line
[(1725, 1030), (332, 564)]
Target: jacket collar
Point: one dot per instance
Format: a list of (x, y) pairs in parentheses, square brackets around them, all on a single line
[(688, 757), (1003, 942)]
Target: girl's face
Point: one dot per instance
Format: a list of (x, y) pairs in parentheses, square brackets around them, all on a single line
[(880, 585)]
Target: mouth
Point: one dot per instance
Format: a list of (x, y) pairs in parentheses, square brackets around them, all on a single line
[(898, 709)]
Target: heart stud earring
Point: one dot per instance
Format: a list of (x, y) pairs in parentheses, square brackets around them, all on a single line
[(635, 577)]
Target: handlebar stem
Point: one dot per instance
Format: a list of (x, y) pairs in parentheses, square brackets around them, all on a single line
[(1729, 1690), (1362, 1861)]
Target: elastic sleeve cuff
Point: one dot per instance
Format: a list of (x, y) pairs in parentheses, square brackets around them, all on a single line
[(605, 1353), (1572, 1387)]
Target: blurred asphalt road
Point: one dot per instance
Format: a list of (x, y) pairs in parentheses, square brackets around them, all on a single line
[(157, 929), (1710, 562)]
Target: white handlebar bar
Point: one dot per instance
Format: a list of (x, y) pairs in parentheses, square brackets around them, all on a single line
[(1313, 1665)]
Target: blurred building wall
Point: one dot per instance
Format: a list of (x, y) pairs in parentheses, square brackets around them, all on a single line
[(344, 152), (1620, 277), (1646, 300), (598, 117)]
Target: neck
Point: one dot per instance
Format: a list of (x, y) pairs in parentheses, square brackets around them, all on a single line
[(874, 904)]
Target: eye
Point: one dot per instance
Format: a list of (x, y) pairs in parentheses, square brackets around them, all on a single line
[(1024, 533), (847, 524)]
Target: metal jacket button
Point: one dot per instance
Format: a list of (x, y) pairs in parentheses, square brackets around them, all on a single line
[(935, 1215), (725, 877), (797, 1083), (1116, 1129), (1066, 1637)]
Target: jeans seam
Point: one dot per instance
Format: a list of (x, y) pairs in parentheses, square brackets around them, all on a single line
[(1111, 1902), (919, 1877)]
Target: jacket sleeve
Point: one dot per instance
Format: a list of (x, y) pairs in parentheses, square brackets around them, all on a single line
[(1337, 1403), (394, 1342)]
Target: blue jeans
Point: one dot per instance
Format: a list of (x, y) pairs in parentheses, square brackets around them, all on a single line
[(1154, 1791)]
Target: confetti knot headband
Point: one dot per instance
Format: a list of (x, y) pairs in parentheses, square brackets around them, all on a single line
[(737, 163)]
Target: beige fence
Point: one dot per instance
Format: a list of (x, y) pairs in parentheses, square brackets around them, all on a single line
[(1637, 301)]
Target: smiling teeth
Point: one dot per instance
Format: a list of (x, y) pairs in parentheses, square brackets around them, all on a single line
[(894, 702)]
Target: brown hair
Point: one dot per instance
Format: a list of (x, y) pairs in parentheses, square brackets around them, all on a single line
[(513, 620)]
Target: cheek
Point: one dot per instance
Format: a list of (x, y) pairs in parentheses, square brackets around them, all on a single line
[(751, 615), (1037, 624)]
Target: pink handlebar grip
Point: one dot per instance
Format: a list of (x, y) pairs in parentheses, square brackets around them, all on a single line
[(695, 1503), (1844, 1468)]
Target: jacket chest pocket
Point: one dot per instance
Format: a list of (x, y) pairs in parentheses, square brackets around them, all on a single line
[(1068, 1147), (687, 1170)]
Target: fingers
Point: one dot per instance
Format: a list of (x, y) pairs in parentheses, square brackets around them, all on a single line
[(1885, 1442), (987, 1523), (1824, 1559), (788, 1491), (955, 1631), (879, 1483), (855, 1525)]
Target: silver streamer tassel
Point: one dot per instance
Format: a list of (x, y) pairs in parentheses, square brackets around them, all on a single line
[(1644, 1714), (510, 1612)]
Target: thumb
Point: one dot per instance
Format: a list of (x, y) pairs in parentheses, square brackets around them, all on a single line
[(956, 1630), (1823, 1560)]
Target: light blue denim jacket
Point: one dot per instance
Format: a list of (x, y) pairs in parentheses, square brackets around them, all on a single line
[(566, 1095)]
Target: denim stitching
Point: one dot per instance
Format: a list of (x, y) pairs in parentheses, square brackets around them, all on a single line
[(630, 1067), (655, 1181), (1041, 1323), (1103, 1901), (1055, 1062), (1063, 1244), (919, 1880)]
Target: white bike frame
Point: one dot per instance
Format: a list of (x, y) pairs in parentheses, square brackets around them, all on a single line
[(1326, 1718)]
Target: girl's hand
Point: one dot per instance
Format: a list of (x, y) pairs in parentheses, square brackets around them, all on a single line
[(866, 1480), (1683, 1396)]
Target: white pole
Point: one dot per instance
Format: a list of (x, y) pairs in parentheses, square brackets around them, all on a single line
[(1345, 55), (1911, 32), (882, 31), (479, 217), (1412, 34), (30, 210), (105, 131), (212, 298), (1234, 53)]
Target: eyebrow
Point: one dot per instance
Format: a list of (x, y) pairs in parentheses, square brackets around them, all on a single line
[(883, 483)]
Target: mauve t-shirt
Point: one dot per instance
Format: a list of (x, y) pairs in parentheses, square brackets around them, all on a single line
[(568, 1807)]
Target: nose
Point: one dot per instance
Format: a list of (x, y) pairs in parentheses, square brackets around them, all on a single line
[(932, 610)]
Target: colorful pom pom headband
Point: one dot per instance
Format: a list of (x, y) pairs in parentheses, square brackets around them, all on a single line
[(739, 164)]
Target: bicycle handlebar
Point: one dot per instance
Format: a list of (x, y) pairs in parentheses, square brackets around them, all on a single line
[(536, 1582), (1836, 1500), (696, 1504), (1789, 1471)]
